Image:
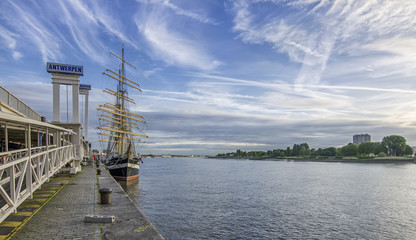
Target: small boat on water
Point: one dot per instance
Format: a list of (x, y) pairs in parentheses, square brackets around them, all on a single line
[(120, 127)]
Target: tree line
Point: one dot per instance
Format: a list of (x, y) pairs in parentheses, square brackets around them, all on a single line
[(392, 145)]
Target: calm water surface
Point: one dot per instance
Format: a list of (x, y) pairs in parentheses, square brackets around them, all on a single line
[(193, 198)]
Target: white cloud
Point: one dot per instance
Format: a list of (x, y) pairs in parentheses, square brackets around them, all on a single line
[(71, 24), (82, 34), (30, 28), (168, 143), (324, 30), (398, 46), (17, 55), (8, 39), (179, 11), (279, 99), (110, 21), (174, 48), (151, 71), (310, 48)]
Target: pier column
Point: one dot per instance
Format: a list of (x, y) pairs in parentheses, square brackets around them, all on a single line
[(75, 103), (86, 118), (84, 89), (56, 102)]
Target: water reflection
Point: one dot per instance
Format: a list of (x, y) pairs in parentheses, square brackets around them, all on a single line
[(131, 188)]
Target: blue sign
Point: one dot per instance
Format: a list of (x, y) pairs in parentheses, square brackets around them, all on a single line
[(64, 68), (85, 87)]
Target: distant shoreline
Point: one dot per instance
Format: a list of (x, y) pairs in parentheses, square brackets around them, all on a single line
[(336, 160)]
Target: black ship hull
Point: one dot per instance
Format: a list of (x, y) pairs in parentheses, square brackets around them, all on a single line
[(124, 169)]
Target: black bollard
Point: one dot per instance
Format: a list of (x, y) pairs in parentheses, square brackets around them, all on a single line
[(105, 195)]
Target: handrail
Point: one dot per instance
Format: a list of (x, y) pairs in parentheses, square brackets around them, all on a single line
[(24, 150), (18, 105), (23, 173)]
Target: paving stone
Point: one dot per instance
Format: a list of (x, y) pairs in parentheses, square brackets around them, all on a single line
[(16, 218), (5, 230), (62, 216)]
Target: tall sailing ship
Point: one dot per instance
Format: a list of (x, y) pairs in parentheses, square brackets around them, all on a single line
[(120, 127)]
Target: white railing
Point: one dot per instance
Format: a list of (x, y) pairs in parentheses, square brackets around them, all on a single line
[(23, 171), (17, 104)]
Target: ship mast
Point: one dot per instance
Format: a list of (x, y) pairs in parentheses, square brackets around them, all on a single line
[(121, 120), (123, 93)]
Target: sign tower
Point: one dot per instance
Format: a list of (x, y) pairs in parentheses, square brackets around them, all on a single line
[(65, 74)]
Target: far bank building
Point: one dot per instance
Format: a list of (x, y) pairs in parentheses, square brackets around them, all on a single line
[(361, 138)]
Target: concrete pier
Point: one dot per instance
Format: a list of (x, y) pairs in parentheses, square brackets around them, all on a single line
[(63, 216)]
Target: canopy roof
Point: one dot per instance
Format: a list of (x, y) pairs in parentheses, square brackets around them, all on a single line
[(11, 118)]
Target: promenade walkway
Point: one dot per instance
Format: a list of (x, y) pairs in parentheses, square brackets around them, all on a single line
[(63, 216)]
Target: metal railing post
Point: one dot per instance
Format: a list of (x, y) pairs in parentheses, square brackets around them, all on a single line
[(29, 164), (6, 138), (47, 155), (38, 173), (12, 185)]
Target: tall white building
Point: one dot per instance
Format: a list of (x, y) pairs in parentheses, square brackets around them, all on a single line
[(360, 138)]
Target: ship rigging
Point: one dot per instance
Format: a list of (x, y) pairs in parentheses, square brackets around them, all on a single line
[(119, 126)]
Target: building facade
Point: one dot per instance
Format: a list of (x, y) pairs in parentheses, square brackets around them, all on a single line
[(360, 138)]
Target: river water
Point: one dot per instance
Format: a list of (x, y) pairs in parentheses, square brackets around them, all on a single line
[(195, 198)]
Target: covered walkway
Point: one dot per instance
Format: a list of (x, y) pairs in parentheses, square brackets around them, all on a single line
[(32, 152)]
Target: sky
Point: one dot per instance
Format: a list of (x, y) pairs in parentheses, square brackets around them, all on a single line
[(224, 75)]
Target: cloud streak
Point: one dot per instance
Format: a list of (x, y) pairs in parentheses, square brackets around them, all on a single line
[(330, 26), (179, 11), (32, 28), (172, 47), (8, 39), (80, 21)]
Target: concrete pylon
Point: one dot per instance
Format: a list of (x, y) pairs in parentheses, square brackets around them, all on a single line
[(84, 89)]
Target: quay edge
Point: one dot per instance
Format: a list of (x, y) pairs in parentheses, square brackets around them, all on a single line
[(130, 222)]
